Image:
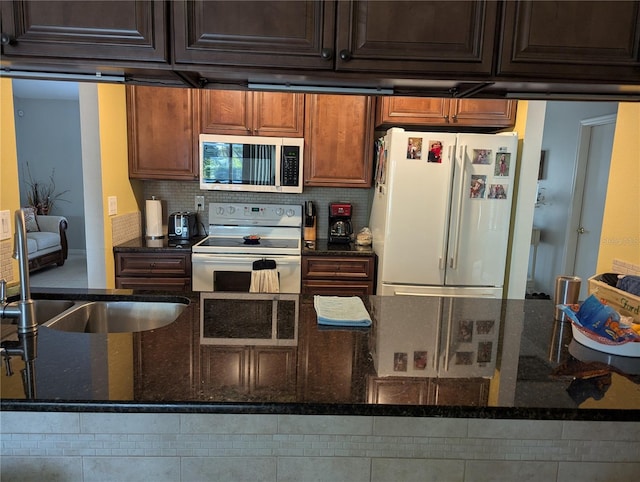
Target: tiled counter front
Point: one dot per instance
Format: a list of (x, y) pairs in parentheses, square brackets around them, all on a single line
[(197, 447)]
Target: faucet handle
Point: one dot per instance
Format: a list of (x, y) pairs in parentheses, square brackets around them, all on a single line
[(3, 291)]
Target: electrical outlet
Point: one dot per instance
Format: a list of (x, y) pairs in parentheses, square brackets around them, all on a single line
[(5, 224), (113, 205), (199, 204)]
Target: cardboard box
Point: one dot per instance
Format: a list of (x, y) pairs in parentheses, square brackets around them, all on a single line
[(624, 303)]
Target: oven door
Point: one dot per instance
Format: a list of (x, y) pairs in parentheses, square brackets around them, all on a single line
[(222, 272)]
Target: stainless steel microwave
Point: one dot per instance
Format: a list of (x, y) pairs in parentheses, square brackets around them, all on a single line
[(251, 163)]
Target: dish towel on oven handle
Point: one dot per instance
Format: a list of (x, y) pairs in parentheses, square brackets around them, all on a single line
[(264, 277), (341, 311)]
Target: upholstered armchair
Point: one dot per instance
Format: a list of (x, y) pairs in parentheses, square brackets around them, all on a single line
[(46, 239)]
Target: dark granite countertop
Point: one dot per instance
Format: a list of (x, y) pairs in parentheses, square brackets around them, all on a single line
[(322, 247), (145, 245), (441, 357)]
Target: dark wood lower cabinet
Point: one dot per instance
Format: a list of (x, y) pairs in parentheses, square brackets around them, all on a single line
[(472, 392), (332, 363), (239, 373), (162, 372)]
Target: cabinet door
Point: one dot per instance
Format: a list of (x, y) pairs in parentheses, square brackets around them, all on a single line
[(273, 372), (252, 113), (107, 30), (416, 111), (226, 112), (162, 141), (224, 372), (483, 113), (278, 114), (587, 41), (416, 36), (338, 140), (280, 34), (439, 112)]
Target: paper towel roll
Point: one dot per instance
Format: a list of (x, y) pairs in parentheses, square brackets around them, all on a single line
[(154, 218)]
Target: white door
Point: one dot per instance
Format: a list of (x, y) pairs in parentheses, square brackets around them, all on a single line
[(594, 159)]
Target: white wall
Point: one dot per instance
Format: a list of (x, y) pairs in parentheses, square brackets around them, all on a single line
[(560, 141), (48, 138)]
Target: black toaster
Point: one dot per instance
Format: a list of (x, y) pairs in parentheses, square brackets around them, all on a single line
[(182, 225)]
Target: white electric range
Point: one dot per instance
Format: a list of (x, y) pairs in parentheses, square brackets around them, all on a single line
[(240, 235)]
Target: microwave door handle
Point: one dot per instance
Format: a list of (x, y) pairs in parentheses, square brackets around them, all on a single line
[(277, 153)]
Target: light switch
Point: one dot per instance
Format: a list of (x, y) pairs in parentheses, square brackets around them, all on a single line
[(113, 205), (5, 224)]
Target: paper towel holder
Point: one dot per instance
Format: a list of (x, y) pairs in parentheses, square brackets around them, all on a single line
[(153, 216)]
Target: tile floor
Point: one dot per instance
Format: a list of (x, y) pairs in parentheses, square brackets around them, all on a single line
[(72, 274)]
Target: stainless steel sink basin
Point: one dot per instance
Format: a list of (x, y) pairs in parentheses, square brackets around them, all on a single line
[(116, 316), (46, 309)]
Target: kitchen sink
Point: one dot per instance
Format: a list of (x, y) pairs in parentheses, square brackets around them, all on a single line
[(116, 316), (45, 309)]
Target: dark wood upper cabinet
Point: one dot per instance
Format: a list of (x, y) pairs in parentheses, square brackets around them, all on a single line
[(584, 40), (416, 37), (277, 34), (98, 30), (390, 36)]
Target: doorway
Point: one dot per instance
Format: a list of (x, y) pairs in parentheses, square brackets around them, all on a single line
[(48, 143), (591, 178)]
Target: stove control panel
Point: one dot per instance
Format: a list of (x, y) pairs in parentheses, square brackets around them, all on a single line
[(255, 214)]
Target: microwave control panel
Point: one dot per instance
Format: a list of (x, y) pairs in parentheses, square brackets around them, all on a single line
[(290, 166)]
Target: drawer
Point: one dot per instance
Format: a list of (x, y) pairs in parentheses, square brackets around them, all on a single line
[(145, 264), (161, 284), (323, 267), (337, 288)]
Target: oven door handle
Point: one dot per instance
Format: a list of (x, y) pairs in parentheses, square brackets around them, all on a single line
[(225, 260)]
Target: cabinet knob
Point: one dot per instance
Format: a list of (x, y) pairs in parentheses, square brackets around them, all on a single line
[(455, 117), (446, 118), (326, 54), (345, 55), (6, 39)]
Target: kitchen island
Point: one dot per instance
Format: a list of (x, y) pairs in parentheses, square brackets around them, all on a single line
[(428, 371)]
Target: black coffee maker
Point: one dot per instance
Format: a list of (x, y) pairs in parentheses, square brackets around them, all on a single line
[(340, 227)]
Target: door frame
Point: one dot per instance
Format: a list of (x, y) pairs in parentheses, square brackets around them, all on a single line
[(579, 179)]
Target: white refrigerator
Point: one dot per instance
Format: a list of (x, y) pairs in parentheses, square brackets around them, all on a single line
[(441, 212)]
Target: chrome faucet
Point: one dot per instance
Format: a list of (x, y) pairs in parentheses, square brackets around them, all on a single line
[(23, 310)]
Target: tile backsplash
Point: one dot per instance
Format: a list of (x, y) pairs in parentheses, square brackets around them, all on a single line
[(180, 196)]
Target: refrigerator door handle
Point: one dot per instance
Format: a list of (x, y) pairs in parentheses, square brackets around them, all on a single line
[(442, 262), (453, 261), (447, 347)]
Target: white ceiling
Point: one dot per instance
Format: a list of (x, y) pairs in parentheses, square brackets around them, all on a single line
[(45, 89)]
